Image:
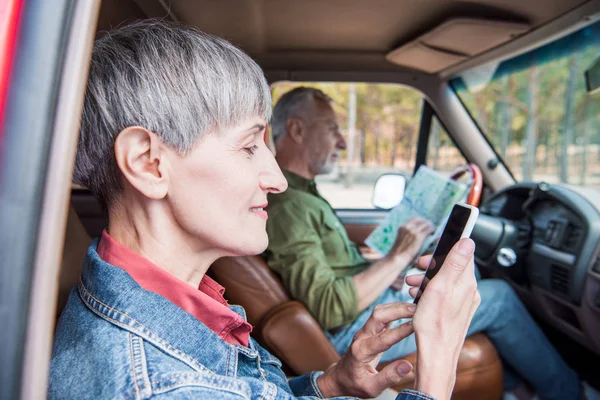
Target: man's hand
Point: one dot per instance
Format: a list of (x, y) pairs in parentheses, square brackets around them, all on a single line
[(442, 319), (356, 374), (422, 264), (398, 283), (410, 239)]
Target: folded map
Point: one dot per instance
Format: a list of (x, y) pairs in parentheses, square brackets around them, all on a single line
[(429, 195)]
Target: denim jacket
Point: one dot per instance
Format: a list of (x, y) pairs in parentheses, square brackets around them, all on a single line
[(115, 340)]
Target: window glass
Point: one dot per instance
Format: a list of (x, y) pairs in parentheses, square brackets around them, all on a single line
[(536, 111), (383, 137), (442, 153)]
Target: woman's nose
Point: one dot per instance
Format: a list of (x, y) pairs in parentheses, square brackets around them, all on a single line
[(271, 178)]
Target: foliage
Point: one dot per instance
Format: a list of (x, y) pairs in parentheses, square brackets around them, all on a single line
[(387, 119), (540, 119)]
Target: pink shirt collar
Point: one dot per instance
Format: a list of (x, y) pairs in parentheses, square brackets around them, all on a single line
[(206, 303)]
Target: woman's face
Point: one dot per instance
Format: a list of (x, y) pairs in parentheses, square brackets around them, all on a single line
[(218, 191)]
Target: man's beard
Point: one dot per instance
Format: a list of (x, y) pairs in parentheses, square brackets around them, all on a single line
[(329, 165), (327, 168)]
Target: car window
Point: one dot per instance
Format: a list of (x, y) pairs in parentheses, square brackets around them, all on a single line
[(384, 139), (442, 153), (536, 111)]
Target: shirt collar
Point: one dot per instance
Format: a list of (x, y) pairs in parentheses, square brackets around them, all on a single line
[(112, 294), (206, 303), (298, 182)]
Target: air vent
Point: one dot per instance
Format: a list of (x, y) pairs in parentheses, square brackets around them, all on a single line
[(559, 279), (572, 238)]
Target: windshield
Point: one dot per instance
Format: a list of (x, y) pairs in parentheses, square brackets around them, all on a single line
[(536, 111)]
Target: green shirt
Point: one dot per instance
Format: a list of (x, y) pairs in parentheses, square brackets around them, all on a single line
[(310, 250)]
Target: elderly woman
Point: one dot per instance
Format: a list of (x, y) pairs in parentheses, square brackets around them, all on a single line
[(172, 145)]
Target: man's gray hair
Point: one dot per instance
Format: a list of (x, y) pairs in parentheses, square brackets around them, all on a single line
[(170, 79), (296, 103)]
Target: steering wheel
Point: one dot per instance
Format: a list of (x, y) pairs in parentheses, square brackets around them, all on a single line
[(477, 187)]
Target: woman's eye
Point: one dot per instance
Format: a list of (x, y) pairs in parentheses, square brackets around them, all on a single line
[(251, 150)]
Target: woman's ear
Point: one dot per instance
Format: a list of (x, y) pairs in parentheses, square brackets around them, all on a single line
[(295, 130), (142, 160)]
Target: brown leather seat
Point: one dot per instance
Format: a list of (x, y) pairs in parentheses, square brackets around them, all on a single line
[(289, 331)]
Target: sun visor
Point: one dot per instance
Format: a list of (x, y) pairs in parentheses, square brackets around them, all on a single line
[(454, 41)]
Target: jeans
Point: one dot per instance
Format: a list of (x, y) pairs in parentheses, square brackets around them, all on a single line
[(522, 345)]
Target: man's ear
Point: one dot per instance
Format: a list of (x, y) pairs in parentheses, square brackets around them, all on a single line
[(295, 130), (143, 162)]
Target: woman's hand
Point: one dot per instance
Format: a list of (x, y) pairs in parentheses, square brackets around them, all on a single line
[(356, 374), (442, 318)]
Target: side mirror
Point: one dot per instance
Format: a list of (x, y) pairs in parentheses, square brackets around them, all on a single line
[(388, 191)]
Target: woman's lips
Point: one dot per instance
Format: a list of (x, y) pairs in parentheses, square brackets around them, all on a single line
[(260, 212)]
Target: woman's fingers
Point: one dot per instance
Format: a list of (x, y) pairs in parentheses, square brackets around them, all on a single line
[(459, 260), (415, 280), (413, 291), (392, 374), (370, 347), (383, 314), (424, 261)]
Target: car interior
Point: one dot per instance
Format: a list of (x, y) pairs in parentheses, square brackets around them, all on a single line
[(543, 238)]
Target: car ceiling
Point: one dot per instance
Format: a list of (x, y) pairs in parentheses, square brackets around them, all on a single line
[(327, 35)]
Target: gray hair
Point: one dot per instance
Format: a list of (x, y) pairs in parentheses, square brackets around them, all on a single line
[(296, 103), (171, 79)]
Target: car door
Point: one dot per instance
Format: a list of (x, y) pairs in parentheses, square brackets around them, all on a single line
[(45, 48)]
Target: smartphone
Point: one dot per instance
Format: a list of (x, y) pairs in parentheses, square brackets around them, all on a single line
[(459, 225)]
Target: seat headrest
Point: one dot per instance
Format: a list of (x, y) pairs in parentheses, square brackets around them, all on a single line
[(249, 282)]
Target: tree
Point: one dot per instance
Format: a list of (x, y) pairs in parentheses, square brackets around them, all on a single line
[(529, 157), (568, 126)]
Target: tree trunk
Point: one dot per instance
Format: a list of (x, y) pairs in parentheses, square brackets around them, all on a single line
[(568, 125), (393, 150), (506, 115), (529, 158), (395, 138), (411, 145), (377, 152), (587, 130), (363, 147), (351, 131), (546, 155)]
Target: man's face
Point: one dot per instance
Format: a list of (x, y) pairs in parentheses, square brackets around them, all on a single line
[(324, 141)]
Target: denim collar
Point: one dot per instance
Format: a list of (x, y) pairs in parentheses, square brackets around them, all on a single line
[(113, 295)]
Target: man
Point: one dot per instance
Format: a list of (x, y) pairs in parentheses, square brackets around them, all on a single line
[(319, 265)]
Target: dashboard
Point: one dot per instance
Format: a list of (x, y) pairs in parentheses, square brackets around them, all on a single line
[(545, 240)]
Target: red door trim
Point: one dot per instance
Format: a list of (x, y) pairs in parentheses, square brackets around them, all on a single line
[(10, 13)]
